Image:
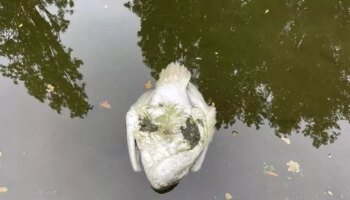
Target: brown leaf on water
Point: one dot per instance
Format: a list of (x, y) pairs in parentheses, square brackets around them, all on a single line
[(271, 173), (105, 105), (228, 196), (285, 139), (148, 85), (3, 189), (269, 170)]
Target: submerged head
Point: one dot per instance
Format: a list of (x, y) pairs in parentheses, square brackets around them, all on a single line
[(164, 190), (166, 174)]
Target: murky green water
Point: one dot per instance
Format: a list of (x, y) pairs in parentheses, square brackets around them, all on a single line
[(272, 68)]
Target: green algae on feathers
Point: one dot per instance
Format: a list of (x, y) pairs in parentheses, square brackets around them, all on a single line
[(164, 123), (170, 119)]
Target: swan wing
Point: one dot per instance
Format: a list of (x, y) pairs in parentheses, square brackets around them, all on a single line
[(198, 101), (132, 125)]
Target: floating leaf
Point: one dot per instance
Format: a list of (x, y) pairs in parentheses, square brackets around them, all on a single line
[(228, 196), (50, 88), (234, 133), (286, 140), (148, 85), (271, 173), (293, 166), (269, 169), (3, 189), (105, 105)]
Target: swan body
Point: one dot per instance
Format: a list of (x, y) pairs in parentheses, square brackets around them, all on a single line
[(169, 128)]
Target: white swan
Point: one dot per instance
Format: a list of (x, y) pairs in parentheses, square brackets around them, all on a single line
[(170, 128)]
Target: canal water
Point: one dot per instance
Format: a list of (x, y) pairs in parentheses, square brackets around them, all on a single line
[(278, 73)]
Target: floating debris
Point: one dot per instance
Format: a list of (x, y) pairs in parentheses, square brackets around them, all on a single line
[(216, 53), (293, 166), (198, 58), (0, 154), (329, 155), (271, 173), (3, 189), (269, 170), (148, 85), (267, 11), (228, 196), (105, 105), (234, 133), (301, 40), (285, 139), (50, 88), (330, 193), (20, 25)]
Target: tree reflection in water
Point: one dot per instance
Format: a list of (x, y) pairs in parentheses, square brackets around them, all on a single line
[(32, 52), (281, 62)]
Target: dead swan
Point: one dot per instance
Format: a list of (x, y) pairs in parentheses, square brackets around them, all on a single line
[(170, 128)]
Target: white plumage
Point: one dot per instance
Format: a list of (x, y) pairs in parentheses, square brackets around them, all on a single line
[(170, 128)]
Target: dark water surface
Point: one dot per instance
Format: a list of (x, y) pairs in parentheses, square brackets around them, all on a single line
[(273, 69)]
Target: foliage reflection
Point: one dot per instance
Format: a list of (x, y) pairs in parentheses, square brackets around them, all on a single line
[(31, 52), (281, 62)]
